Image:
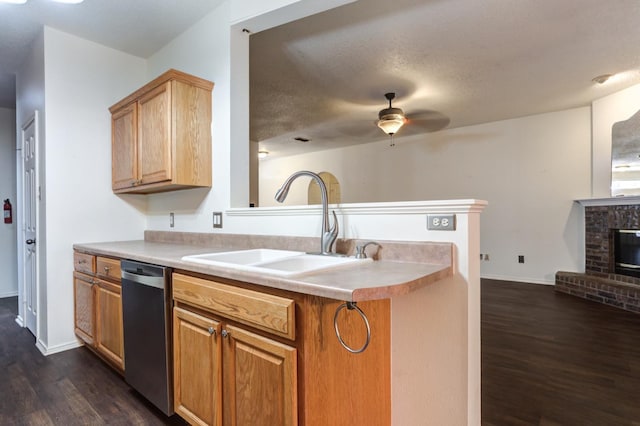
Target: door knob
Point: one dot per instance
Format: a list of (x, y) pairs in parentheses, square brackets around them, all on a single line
[(30, 241)]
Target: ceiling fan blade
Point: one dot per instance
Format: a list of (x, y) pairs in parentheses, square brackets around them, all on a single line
[(427, 121)]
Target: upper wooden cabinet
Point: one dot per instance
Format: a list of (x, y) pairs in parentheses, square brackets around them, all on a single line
[(161, 136)]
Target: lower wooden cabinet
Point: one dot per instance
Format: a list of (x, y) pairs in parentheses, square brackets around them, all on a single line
[(260, 380), (109, 339), (84, 296), (245, 355), (98, 306), (225, 375), (196, 368)]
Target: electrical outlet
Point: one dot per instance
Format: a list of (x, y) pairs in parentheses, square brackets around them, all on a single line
[(441, 222), (217, 219), (520, 258), (486, 257), (171, 220)]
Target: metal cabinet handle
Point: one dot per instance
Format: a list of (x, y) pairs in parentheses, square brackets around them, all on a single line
[(212, 331), (106, 270), (225, 333)]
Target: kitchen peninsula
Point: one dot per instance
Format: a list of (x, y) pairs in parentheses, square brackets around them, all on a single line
[(415, 294), (287, 320)]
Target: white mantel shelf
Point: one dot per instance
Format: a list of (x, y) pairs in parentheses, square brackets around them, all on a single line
[(615, 201)]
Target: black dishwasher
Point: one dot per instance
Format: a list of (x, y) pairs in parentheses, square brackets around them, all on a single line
[(146, 318)]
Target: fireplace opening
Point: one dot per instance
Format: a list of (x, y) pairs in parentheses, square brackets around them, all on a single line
[(626, 251)]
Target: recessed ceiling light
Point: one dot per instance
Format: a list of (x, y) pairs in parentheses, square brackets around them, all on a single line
[(601, 79)]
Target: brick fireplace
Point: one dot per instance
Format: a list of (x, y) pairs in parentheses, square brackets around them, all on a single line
[(600, 283)]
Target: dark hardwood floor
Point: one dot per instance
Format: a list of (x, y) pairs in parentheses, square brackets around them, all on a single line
[(547, 359), (69, 388), (554, 359)]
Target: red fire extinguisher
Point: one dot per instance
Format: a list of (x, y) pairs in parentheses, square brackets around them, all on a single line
[(8, 217)]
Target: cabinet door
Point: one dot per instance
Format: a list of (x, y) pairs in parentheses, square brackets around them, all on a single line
[(155, 133), (83, 294), (109, 335), (124, 146), (196, 368), (260, 381)]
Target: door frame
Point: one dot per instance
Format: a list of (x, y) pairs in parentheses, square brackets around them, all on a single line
[(20, 243)]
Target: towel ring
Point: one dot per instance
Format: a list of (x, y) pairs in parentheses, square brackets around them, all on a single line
[(351, 306)]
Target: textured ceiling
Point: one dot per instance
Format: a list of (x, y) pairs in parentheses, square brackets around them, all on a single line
[(451, 62), (138, 27)]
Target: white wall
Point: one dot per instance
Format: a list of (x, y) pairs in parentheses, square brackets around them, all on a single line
[(529, 169), (8, 250), (82, 79)]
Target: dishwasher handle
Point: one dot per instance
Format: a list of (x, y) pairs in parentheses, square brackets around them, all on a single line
[(157, 282)]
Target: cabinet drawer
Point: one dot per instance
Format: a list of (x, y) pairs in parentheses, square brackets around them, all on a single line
[(264, 311), (83, 262), (107, 267)]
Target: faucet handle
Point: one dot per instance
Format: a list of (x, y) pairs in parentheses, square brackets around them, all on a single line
[(334, 228), (329, 237), (360, 253)]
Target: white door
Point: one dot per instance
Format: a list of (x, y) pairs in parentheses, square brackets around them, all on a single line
[(29, 217)]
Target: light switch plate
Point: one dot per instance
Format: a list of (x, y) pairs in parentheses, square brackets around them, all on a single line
[(441, 222), (217, 219)]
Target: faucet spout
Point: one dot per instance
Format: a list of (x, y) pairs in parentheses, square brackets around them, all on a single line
[(328, 235)]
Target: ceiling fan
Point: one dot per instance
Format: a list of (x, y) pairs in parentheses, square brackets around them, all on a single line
[(391, 120)]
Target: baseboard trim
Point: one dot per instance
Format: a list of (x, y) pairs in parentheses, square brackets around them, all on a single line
[(50, 350), (20, 321), (517, 279), (9, 294)]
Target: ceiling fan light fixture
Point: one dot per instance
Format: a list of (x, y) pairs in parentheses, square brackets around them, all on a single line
[(391, 123), (391, 119)]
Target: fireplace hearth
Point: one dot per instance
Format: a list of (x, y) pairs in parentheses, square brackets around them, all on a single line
[(612, 256)]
